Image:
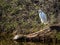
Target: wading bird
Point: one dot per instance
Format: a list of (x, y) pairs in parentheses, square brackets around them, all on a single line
[(42, 17)]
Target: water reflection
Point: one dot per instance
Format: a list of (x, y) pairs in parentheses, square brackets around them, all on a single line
[(35, 43), (11, 42)]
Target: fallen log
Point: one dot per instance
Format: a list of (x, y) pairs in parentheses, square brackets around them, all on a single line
[(33, 36), (37, 36)]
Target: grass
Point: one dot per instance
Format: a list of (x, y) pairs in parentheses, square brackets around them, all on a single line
[(19, 15)]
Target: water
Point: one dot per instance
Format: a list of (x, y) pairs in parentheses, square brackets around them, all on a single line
[(35, 43), (11, 42)]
